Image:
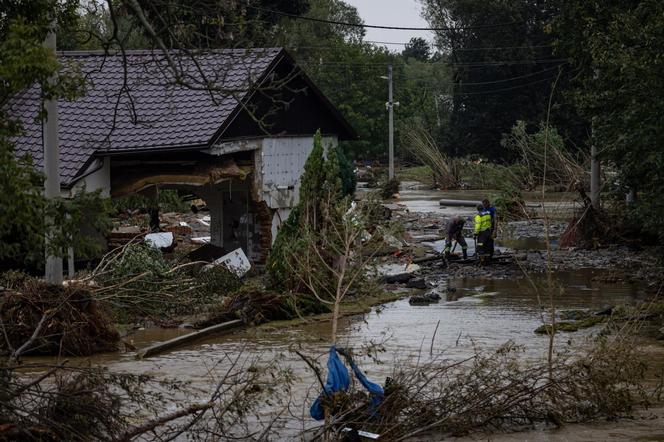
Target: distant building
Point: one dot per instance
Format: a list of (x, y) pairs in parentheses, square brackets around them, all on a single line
[(240, 144)]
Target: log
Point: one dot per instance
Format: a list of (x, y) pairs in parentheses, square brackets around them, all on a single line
[(458, 203), (161, 347), (496, 259)]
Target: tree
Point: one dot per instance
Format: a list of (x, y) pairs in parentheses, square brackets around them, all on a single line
[(501, 74), (23, 208), (616, 49), (417, 48), (212, 23), (321, 191)]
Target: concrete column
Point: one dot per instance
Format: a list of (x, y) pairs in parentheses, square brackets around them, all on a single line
[(53, 270)]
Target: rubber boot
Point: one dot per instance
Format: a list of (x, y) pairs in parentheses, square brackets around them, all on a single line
[(465, 254)]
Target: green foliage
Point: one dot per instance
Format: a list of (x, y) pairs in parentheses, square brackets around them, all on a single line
[(321, 188), (423, 174), (140, 258), (23, 209), (332, 186), (490, 93), (346, 173), (217, 281), (616, 48), (482, 174), (417, 48), (313, 179), (77, 222), (544, 157), (348, 71), (389, 188), (509, 204), (168, 200)]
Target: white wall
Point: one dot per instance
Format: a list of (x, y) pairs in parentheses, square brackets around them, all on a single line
[(99, 178), (281, 164)]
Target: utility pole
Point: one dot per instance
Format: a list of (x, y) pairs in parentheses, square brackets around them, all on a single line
[(594, 163), (53, 271), (390, 109), (595, 183)]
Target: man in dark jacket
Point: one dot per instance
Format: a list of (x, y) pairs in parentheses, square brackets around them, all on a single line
[(455, 232)]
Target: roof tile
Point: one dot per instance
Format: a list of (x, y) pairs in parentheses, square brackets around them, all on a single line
[(152, 110)]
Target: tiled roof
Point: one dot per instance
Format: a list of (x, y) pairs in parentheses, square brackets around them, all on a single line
[(152, 109)]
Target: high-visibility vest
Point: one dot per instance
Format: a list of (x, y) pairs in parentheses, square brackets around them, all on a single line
[(482, 222)]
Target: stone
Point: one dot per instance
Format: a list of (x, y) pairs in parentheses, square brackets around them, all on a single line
[(400, 278), (416, 283)]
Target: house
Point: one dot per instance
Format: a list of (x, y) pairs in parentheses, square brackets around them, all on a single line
[(233, 127)]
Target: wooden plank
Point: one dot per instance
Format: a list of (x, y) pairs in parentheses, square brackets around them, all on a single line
[(161, 347)]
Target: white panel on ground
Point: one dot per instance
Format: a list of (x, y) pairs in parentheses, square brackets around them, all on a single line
[(236, 262)]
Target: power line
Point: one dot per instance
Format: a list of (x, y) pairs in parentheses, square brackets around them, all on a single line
[(489, 92), (342, 64), (497, 48), (403, 43), (505, 80), (407, 77), (505, 89), (397, 28)]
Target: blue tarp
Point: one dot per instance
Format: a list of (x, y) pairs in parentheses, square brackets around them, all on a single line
[(338, 379)]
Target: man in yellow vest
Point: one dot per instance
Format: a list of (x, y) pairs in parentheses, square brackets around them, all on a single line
[(483, 231)]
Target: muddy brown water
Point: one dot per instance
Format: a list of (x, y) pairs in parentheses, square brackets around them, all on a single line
[(480, 313)]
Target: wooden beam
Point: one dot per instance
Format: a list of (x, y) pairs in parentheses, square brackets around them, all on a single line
[(161, 347)]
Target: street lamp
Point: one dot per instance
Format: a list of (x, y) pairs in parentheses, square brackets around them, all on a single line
[(390, 108)]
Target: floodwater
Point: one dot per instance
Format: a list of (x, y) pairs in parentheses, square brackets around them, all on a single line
[(479, 314), (476, 314), (418, 198)]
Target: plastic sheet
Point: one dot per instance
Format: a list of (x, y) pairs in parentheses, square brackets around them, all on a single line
[(338, 379)]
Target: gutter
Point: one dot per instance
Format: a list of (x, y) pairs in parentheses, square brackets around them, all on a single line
[(154, 149)]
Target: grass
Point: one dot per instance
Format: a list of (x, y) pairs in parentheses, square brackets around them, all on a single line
[(474, 176), (572, 326), (423, 174)]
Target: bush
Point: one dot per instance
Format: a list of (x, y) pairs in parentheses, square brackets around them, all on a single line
[(543, 151), (479, 174), (510, 205), (347, 174), (140, 258), (389, 188)]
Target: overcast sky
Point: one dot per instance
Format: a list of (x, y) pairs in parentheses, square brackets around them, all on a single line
[(403, 13)]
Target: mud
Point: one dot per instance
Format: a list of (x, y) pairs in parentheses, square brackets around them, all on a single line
[(480, 308), (424, 223)]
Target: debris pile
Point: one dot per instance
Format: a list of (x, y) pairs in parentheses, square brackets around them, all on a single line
[(498, 390), (185, 228), (68, 320)]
